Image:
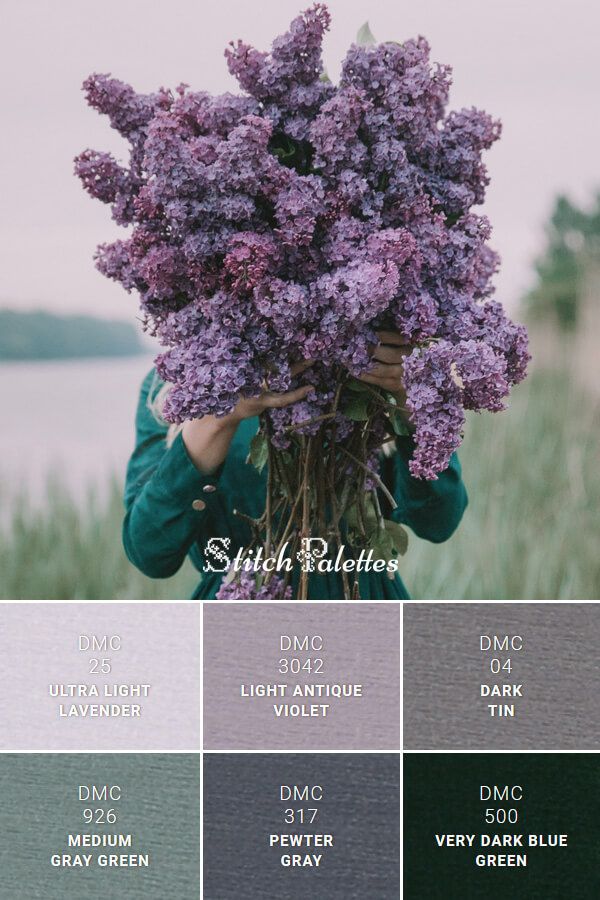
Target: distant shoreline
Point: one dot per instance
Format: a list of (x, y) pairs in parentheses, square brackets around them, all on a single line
[(40, 336), (28, 361)]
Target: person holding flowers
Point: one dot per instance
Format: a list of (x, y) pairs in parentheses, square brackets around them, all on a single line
[(308, 255)]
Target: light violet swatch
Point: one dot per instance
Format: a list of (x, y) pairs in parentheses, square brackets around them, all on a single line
[(338, 688)]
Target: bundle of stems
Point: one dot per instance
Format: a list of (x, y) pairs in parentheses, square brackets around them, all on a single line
[(324, 487)]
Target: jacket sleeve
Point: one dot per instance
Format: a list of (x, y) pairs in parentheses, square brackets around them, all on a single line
[(432, 509), (161, 485)]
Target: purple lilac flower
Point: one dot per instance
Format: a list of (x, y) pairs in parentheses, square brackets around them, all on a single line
[(434, 401), (294, 220), (244, 587)]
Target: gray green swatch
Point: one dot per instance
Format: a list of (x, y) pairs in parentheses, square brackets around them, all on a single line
[(48, 852)]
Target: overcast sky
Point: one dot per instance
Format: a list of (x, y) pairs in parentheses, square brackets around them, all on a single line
[(533, 63)]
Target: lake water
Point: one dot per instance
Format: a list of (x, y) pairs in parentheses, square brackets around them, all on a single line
[(74, 418)]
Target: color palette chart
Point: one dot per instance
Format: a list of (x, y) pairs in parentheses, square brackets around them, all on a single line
[(283, 751)]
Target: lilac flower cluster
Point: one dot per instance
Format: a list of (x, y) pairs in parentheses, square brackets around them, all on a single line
[(294, 220), (245, 587)]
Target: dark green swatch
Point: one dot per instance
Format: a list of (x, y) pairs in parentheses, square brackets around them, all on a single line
[(548, 794)]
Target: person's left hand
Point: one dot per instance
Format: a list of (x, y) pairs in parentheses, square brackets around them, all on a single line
[(387, 371)]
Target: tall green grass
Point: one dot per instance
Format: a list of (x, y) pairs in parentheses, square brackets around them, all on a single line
[(72, 550), (532, 529)]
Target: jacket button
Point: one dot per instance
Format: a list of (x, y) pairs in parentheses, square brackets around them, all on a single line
[(209, 488), (199, 505)]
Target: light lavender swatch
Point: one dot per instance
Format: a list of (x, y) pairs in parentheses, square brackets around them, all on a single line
[(339, 689), (56, 693), (501, 676)]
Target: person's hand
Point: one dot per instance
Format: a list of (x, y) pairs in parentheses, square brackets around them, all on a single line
[(248, 407), (207, 439), (387, 371)]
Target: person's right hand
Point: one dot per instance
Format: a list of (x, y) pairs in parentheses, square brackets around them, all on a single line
[(248, 407), (207, 439)]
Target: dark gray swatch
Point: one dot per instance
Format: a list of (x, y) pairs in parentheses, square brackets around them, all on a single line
[(159, 808), (552, 696), (359, 808)]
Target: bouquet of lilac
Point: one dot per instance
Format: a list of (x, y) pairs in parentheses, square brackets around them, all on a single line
[(293, 221)]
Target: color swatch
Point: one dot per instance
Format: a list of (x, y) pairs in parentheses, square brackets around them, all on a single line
[(100, 677), (298, 826), (299, 751), (315, 676), (522, 825), (99, 826), (501, 676)]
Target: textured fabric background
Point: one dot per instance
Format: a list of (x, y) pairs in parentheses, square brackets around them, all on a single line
[(559, 668), (39, 646), (361, 646), (39, 807), (360, 807), (441, 795)]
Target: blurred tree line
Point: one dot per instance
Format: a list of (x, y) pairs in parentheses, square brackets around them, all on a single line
[(570, 233), (42, 335)]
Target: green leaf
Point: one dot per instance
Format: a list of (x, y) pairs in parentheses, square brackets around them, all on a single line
[(365, 37), (398, 423), (285, 457), (259, 451), (381, 544), (370, 513), (357, 408), (325, 77), (389, 542), (452, 219), (359, 387), (368, 518), (354, 520), (398, 535), (352, 516), (285, 152)]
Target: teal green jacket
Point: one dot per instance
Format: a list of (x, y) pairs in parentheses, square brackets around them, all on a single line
[(162, 526)]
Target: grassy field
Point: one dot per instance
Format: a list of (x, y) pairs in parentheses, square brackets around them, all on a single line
[(532, 529), (73, 551)]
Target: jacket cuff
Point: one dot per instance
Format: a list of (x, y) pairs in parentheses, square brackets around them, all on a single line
[(182, 482)]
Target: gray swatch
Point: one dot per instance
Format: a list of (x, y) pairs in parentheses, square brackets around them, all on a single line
[(359, 810), (460, 694)]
